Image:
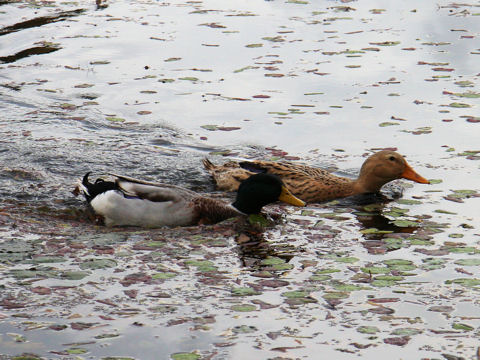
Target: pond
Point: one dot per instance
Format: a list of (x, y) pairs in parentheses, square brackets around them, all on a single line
[(149, 88)]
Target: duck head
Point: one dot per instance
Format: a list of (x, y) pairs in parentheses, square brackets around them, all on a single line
[(262, 189), (383, 167)]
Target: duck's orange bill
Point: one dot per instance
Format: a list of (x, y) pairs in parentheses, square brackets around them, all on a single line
[(287, 197), (410, 174)]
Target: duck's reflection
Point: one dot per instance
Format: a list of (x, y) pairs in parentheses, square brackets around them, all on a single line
[(253, 246)]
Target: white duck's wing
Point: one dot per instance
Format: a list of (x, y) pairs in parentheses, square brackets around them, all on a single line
[(156, 192)]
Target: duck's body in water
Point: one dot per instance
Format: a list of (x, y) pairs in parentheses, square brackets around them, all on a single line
[(314, 185), (131, 202)]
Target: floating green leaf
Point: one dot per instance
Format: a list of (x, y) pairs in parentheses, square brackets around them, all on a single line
[(326, 271), (461, 249), (459, 105), (340, 286), (335, 295), (115, 119), (74, 275), (394, 262), (295, 294), (244, 329), (388, 123), (100, 62), (163, 275), (468, 262), (76, 351), (243, 307), (467, 282), (320, 278), (244, 291), (468, 94), (189, 78), (385, 43), (185, 356), (95, 264), (375, 231), (406, 331), (408, 201), (376, 270), (405, 223), (464, 327), (368, 329)]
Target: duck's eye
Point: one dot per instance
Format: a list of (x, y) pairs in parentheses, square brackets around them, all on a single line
[(391, 158)]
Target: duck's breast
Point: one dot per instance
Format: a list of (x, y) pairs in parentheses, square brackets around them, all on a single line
[(118, 210)]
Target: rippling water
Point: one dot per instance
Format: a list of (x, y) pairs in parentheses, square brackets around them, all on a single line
[(149, 88)]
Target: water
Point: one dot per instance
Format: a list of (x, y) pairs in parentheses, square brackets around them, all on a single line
[(149, 88)]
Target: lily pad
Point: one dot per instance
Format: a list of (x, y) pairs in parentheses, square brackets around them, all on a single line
[(368, 329), (244, 291), (468, 262), (244, 329), (406, 331), (394, 262), (433, 264), (326, 271), (202, 265), (295, 294), (163, 275), (340, 286), (243, 307), (408, 202), (95, 264), (376, 270), (467, 282), (47, 259), (74, 275), (189, 78), (464, 327), (405, 223), (375, 231), (319, 278), (115, 119), (335, 295), (459, 105), (76, 351), (185, 356)]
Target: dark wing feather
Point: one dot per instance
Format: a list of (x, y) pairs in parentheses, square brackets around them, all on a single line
[(285, 169), (155, 192), (151, 183)]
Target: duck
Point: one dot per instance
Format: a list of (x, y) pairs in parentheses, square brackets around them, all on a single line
[(126, 201), (316, 185)]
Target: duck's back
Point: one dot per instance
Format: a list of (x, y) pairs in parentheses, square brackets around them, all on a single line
[(307, 183)]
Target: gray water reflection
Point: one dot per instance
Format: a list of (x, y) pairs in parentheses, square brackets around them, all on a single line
[(148, 88)]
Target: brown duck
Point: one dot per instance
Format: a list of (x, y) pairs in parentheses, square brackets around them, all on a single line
[(317, 185)]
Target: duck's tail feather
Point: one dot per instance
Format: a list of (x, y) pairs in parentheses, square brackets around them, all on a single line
[(253, 167), (81, 186), (208, 165)]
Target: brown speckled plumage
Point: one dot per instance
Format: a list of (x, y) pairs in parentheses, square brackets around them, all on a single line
[(211, 211), (317, 185)]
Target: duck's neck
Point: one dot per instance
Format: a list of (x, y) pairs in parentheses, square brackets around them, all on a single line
[(367, 184), (213, 211), (246, 207)]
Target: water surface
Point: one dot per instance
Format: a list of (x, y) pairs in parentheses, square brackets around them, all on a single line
[(148, 88)]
